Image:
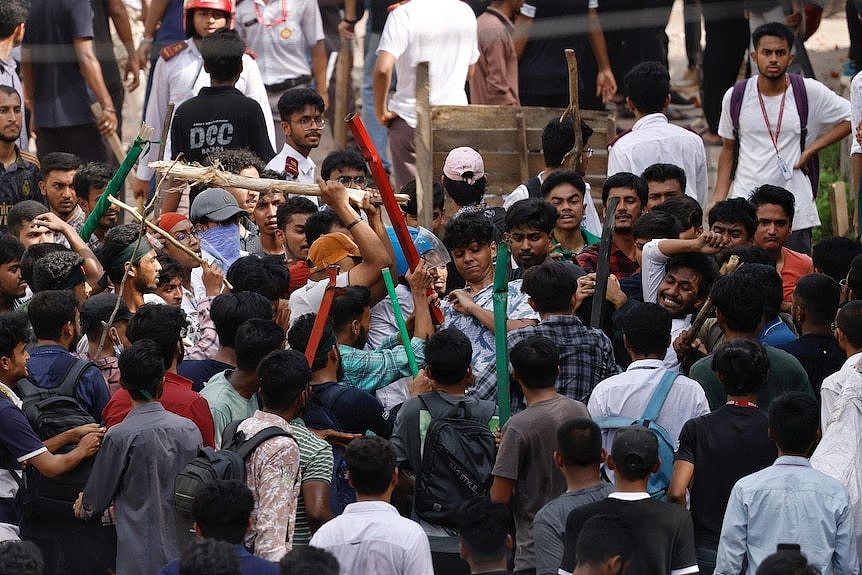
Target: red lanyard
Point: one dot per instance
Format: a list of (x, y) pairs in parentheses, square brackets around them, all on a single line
[(275, 22), (774, 137), (741, 403)]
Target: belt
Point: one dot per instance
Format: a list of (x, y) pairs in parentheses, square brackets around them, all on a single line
[(289, 83)]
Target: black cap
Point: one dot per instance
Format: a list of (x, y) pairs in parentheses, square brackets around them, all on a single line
[(98, 308), (635, 449)]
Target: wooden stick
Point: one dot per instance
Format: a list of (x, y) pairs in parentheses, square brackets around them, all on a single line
[(166, 128), (343, 67), (174, 241), (423, 143), (574, 110), (113, 138)]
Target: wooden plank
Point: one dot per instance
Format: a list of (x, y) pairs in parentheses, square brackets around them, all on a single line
[(343, 67), (423, 144), (838, 203), (522, 148)]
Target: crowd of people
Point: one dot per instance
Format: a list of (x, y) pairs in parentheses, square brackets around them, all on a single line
[(239, 389)]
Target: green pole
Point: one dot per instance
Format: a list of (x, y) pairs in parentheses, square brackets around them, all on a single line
[(399, 319), (114, 186), (501, 300)]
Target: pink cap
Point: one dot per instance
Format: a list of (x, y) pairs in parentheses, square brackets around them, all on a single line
[(464, 165)]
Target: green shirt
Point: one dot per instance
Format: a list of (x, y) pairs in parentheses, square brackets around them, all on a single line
[(315, 464), (589, 239), (225, 403)]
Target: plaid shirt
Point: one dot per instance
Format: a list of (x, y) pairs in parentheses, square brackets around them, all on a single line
[(621, 265), (371, 370), (586, 357)]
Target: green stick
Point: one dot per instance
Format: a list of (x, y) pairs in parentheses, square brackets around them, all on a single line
[(399, 319), (501, 300)]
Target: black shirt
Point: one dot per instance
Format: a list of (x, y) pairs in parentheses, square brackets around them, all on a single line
[(201, 370), (820, 356), (724, 446), (219, 118), (662, 531), (354, 410)]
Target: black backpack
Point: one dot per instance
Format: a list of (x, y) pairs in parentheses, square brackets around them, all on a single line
[(227, 463), (51, 412), (457, 460)]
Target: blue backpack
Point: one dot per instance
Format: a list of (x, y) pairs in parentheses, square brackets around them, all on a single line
[(660, 480)]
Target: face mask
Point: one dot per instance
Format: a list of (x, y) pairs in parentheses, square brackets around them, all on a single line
[(222, 242), (118, 349)]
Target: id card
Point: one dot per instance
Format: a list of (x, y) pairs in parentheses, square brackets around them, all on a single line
[(785, 171)]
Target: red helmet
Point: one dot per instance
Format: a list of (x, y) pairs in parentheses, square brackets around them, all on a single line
[(225, 6)]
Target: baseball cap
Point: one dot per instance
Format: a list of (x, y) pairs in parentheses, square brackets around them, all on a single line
[(464, 165), (98, 308), (329, 249), (214, 204), (635, 449)]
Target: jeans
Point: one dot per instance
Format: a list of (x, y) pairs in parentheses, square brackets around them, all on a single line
[(379, 134), (706, 558)]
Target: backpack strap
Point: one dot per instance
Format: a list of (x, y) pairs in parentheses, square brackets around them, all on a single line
[(441, 406), (659, 396), (73, 374), (800, 96), (736, 97), (253, 442), (229, 433), (534, 187), (26, 388)]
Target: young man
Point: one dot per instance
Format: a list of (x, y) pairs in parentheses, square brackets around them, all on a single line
[(448, 354), (438, 205), (19, 177), (653, 139), (20, 223), (216, 214), (735, 219), (525, 477), (232, 394), (687, 212), (241, 162), (163, 325), (12, 285), (579, 456), (60, 270), (832, 256), (464, 181), (273, 469), (265, 217), (761, 150), (137, 466), (169, 284), (387, 542), (220, 117), (12, 20), (529, 228), (495, 81), (604, 546), (664, 181), (123, 249), (778, 501), (95, 314), (290, 218), (848, 334), (347, 167), (631, 190), (567, 192), (775, 207), (58, 173), (301, 113), (663, 538), (717, 449), (89, 183), (485, 540)]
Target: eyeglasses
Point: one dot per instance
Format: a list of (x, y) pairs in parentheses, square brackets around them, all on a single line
[(185, 236), (356, 181), (306, 121), (833, 326)]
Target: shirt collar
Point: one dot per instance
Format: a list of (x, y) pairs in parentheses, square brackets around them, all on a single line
[(362, 506), (629, 496), (306, 164), (650, 120), (793, 460), (173, 378), (645, 364), (270, 418), (7, 392)]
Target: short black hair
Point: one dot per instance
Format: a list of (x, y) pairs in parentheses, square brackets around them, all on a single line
[(371, 464), (536, 361), (656, 225), (463, 193), (685, 209), (14, 329), (235, 161), (209, 557), (648, 86), (551, 286), (22, 213), (263, 274), (740, 300), (563, 177), (112, 254), (59, 162), (786, 562), (626, 180), (91, 175), (703, 264), (308, 560), (255, 338), (142, 369), (747, 254), (769, 194), (349, 304), (462, 231), (338, 159), (295, 99), (320, 223), (299, 335), (483, 527), (603, 537), (532, 213), (229, 311), (164, 324), (33, 254), (10, 249), (769, 280), (819, 295), (221, 510), (849, 321), (49, 311), (647, 329), (283, 375), (741, 365), (579, 442), (222, 53), (13, 13), (171, 269), (438, 198), (854, 276), (558, 139), (832, 255), (58, 270), (794, 418), (448, 354), (20, 557), (776, 29), (664, 172), (293, 205), (734, 211)]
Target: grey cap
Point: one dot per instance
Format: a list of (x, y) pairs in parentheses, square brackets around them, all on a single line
[(214, 204)]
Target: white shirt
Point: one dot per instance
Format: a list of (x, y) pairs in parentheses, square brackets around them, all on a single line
[(832, 386), (304, 165), (441, 32), (652, 274), (371, 537), (592, 223), (654, 140), (282, 48), (758, 161), (383, 325), (855, 111), (180, 78), (307, 299)]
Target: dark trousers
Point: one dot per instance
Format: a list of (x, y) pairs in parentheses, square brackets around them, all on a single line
[(692, 14), (854, 28), (726, 44), (85, 141), (86, 549)]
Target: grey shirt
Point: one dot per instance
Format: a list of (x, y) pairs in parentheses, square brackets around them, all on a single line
[(135, 468), (549, 525)]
